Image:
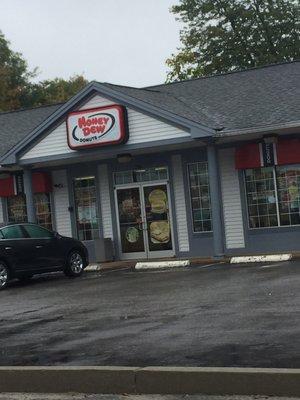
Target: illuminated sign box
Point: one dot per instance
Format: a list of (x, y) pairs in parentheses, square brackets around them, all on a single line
[(97, 127)]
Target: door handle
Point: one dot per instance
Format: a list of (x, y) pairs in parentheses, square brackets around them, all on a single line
[(8, 248), (38, 247)]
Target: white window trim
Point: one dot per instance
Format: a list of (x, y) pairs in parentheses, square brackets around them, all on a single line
[(190, 198), (277, 205)]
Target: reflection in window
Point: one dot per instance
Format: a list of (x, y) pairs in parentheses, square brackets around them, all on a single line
[(86, 208), (288, 184), (200, 196), (43, 210), (16, 208), (273, 196), (261, 197), (17, 212), (36, 232)]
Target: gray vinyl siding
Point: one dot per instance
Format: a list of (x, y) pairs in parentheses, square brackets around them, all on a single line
[(142, 129), (105, 204), (180, 204), (231, 196), (61, 203)]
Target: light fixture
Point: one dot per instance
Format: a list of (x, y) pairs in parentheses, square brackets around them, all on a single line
[(124, 158)]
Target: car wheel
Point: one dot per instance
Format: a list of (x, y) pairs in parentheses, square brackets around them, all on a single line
[(4, 275), (75, 264)]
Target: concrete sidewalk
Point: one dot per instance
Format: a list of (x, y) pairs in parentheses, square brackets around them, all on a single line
[(78, 396)]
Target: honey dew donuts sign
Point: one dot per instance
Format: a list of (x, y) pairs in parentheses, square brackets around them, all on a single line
[(97, 127)]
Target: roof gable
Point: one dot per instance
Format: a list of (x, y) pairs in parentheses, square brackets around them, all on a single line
[(111, 93)]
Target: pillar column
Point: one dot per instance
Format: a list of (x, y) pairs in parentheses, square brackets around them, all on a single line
[(31, 215), (216, 201)]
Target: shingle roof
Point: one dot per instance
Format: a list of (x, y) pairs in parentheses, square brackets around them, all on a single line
[(15, 125), (256, 97), (252, 98)]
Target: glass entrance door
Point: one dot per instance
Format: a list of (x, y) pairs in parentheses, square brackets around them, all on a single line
[(144, 220)]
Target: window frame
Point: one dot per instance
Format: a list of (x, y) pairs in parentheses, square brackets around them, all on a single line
[(190, 198), (137, 170), (97, 209), (278, 226), (51, 209), (8, 209)]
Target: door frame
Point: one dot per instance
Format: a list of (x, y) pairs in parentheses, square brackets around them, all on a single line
[(147, 254)]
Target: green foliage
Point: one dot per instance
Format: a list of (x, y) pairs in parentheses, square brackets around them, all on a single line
[(227, 35), (17, 89), (52, 91)]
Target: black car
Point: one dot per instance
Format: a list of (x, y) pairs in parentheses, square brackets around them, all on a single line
[(28, 249)]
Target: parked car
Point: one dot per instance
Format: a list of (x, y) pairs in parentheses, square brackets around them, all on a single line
[(28, 249)]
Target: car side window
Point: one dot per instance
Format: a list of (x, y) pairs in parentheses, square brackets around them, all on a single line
[(12, 232), (37, 232)]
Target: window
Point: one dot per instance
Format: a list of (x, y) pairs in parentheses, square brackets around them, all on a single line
[(86, 208), (261, 197), (43, 210), (200, 196), (36, 232), (12, 232), (16, 208), (288, 184), (141, 175), (17, 212), (273, 196)]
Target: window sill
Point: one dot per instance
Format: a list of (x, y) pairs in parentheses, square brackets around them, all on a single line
[(275, 229)]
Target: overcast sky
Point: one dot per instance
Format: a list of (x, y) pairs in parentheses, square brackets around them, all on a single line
[(119, 41)]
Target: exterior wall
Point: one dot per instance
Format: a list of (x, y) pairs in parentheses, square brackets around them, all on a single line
[(200, 243), (231, 198), (105, 202), (61, 203), (142, 129), (239, 239), (180, 204)]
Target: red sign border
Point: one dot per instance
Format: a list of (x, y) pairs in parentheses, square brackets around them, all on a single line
[(123, 127)]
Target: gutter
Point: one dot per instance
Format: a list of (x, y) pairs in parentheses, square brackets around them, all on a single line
[(259, 129)]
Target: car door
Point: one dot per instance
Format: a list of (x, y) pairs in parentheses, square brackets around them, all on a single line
[(15, 248), (47, 249)]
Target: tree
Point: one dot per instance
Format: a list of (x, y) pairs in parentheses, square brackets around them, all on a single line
[(14, 76), (52, 91), (227, 35), (17, 89)]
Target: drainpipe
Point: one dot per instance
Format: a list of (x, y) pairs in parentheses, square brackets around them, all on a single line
[(216, 200), (31, 215)]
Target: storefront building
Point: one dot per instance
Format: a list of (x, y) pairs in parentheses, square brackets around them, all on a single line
[(206, 167)]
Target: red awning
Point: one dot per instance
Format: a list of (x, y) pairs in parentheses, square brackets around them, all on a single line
[(7, 187), (288, 151), (247, 156), (41, 183)]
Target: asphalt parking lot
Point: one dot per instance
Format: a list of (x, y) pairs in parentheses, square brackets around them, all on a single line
[(221, 315)]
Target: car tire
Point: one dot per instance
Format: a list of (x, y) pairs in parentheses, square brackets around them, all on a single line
[(75, 264), (4, 275)]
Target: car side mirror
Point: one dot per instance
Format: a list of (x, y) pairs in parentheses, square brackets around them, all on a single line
[(57, 235)]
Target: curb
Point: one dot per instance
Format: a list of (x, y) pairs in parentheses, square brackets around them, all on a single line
[(151, 380)]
